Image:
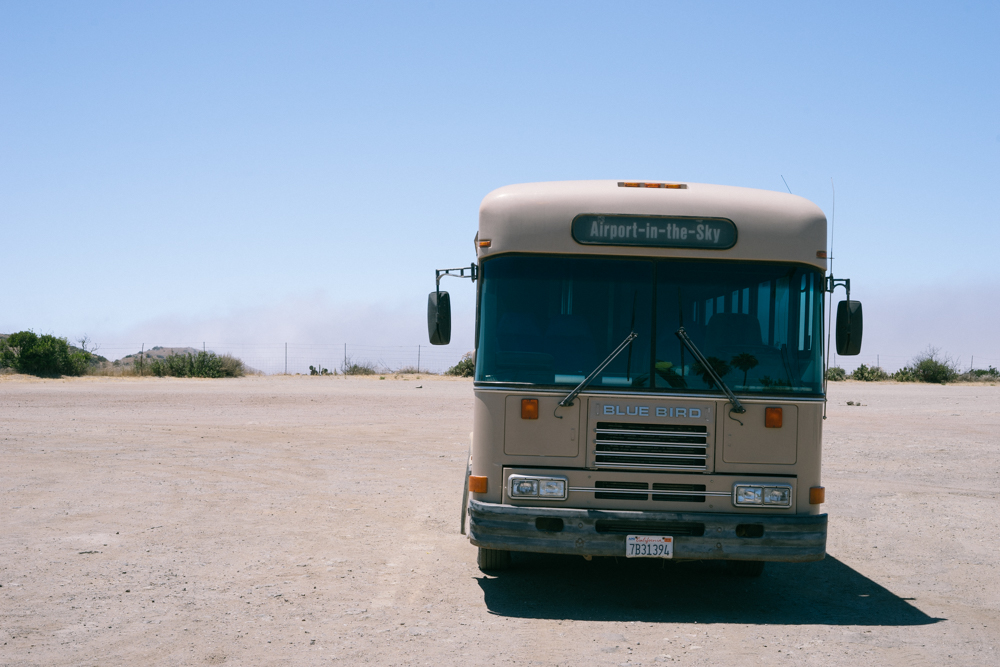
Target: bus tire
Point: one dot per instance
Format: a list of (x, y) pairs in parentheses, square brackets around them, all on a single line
[(493, 560), (747, 568)]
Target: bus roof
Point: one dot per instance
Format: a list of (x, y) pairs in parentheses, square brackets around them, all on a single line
[(538, 218)]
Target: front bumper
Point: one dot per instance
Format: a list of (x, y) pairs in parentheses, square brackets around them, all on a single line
[(789, 538)]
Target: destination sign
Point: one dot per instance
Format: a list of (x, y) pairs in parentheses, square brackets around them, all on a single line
[(658, 232)]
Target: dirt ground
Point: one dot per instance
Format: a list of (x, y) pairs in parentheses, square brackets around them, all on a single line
[(298, 520)]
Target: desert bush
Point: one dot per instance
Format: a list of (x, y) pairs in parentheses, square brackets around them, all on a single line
[(351, 367), (465, 368), (319, 370), (44, 356), (928, 366), (836, 374), (869, 374), (980, 375), (201, 365)]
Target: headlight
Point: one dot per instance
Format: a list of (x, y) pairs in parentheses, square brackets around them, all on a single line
[(523, 487), (552, 488), (777, 495), (748, 495), (543, 488), (760, 495)]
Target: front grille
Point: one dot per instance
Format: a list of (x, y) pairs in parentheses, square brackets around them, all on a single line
[(651, 446), (621, 485), (676, 494), (675, 528)]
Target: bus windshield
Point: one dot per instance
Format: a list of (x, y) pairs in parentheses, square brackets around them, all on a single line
[(550, 320)]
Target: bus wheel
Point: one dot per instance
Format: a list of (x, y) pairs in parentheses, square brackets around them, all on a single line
[(493, 559), (746, 568)]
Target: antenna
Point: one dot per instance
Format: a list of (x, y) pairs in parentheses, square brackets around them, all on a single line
[(786, 184), (833, 221), (829, 304)]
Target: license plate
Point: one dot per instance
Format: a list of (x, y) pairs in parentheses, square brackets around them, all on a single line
[(649, 546)]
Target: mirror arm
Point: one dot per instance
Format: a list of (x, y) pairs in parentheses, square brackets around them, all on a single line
[(833, 283), (445, 273)]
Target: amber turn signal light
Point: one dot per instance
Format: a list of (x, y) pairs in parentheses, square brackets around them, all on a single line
[(477, 484), (772, 417), (817, 495), (529, 408), (485, 244)]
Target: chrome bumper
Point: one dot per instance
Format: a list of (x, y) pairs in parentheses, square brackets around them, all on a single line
[(789, 538)]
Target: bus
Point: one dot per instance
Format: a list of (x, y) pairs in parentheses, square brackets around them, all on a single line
[(649, 373)]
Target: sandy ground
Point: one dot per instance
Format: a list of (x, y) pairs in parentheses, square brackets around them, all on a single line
[(297, 520)]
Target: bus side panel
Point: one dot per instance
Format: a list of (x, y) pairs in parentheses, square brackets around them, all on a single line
[(487, 443), (810, 455)]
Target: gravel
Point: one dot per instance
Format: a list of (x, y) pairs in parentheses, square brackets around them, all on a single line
[(299, 520)]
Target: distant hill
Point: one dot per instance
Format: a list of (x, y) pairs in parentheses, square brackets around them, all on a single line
[(152, 353)]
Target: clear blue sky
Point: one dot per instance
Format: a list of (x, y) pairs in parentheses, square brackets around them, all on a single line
[(262, 172)]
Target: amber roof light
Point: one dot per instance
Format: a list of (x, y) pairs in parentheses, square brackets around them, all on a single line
[(640, 184)]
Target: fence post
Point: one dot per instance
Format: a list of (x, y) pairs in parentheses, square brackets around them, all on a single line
[(345, 356), (286, 358), (418, 358)]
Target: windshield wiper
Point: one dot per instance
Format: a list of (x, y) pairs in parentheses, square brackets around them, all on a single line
[(689, 344), (597, 371)]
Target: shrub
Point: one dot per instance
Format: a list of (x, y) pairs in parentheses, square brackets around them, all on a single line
[(351, 367), (314, 370), (44, 356), (869, 374), (836, 374), (929, 367), (465, 368), (201, 365), (990, 374)]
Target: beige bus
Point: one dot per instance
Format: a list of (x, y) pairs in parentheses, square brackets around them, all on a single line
[(649, 373)]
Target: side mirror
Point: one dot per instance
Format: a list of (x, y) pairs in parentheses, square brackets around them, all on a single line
[(439, 318), (850, 325)]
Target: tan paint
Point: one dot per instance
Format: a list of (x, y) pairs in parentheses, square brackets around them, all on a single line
[(546, 436), (496, 409), (587, 479), (747, 440), (536, 217)]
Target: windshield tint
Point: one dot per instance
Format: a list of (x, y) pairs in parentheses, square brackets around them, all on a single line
[(552, 320)]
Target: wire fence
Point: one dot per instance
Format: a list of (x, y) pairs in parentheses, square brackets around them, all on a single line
[(294, 358), (893, 362)]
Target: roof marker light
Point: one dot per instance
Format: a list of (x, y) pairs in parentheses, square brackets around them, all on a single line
[(640, 184)]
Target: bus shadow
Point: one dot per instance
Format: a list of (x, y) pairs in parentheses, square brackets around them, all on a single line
[(826, 592)]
